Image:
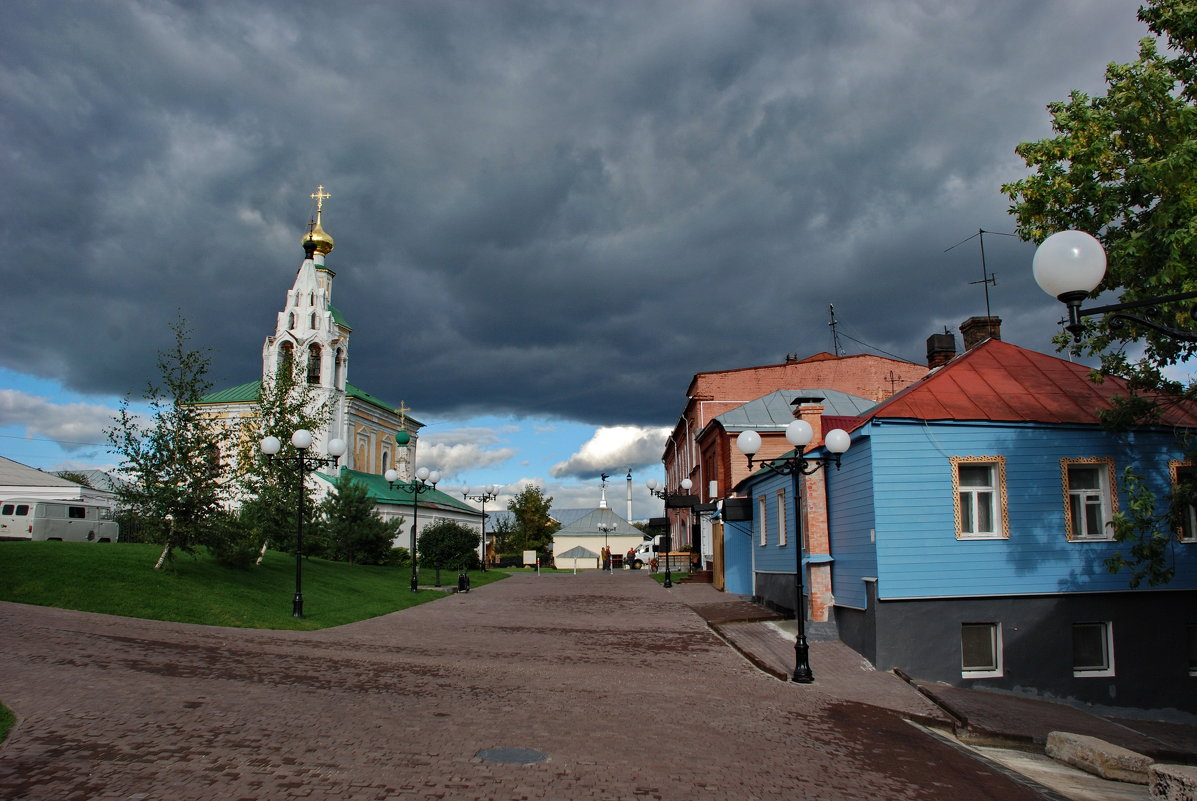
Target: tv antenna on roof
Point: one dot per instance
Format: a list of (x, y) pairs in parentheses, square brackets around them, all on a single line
[(986, 278), (835, 334)]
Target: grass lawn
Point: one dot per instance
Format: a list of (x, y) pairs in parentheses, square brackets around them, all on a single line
[(119, 579), (7, 719)]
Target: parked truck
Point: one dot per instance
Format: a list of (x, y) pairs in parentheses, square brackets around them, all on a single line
[(647, 551), (72, 521)]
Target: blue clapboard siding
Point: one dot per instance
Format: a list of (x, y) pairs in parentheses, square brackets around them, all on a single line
[(772, 558), (851, 519), (917, 553)]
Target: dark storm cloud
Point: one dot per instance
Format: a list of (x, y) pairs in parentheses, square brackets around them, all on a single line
[(546, 208)]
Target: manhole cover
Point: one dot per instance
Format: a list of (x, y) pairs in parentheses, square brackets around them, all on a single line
[(512, 756)]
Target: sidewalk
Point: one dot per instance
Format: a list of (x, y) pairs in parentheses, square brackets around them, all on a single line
[(977, 716)]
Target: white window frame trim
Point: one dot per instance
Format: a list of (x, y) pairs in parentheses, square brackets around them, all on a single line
[(782, 528), (1108, 670), (762, 509), (1109, 495), (999, 667), (1001, 505), (1174, 468)]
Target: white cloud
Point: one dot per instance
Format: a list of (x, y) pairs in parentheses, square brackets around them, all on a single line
[(458, 450), (74, 426), (614, 448)]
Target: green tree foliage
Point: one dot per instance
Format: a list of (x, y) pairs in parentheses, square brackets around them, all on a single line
[(1123, 167), (448, 543), (504, 533), (172, 460), (533, 527), (285, 404), (354, 531), (78, 478)]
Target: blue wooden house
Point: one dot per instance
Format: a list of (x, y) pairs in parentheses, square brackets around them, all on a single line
[(969, 529)]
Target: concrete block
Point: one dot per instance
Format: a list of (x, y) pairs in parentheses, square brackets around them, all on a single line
[(1173, 782), (1098, 757)]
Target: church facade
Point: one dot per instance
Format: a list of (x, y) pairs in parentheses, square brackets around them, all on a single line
[(311, 331)]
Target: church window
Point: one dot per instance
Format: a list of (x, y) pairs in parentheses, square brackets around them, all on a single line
[(314, 364), (286, 356), (386, 460), (311, 298), (339, 369), (291, 321), (313, 324)]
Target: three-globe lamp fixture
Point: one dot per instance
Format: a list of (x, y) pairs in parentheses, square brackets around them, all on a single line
[(799, 433), (425, 481), (301, 464)]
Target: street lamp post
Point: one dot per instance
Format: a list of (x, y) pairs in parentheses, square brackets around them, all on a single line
[(799, 434), (424, 481), (301, 464), (1068, 265), (606, 528), (484, 495), (669, 497)]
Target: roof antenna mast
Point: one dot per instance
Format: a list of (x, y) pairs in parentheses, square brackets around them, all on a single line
[(986, 278), (835, 335)]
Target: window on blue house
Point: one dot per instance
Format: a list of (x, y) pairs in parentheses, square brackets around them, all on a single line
[(762, 514), (979, 483), (980, 650), (1184, 493), (1089, 499), (1092, 649), (781, 517)]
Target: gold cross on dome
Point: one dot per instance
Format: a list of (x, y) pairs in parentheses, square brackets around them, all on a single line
[(320, 196), (403, 410)]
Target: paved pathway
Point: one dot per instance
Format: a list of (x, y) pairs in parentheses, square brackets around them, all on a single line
[(617, 680)]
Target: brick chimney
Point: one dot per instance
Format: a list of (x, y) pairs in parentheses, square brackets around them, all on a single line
[(976, 330), (810, 409), (941, 349)]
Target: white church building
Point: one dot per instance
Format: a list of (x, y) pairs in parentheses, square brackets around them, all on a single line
[(380, 436)]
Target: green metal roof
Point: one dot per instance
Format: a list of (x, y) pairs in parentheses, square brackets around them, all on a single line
[(251, 391), (339, 318), (380, 490), (245, 393)]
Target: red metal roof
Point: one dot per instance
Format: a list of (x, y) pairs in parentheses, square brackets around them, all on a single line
[(1003, 382)]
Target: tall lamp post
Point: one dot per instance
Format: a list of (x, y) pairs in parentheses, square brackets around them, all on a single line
[(606, 528), (799, 434), (424, 481), (485, 494), (301, 464), (672, 500), (1068, 265)]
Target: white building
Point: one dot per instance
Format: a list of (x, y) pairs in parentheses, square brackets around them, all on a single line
[(379, 435)]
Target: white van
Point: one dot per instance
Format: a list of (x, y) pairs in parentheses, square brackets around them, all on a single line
[(73, 521), (647, 551)]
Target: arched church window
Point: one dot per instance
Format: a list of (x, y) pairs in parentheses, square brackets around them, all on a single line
[(291, 321), (286, 356), (386, 460), (313, 326), (314, 364), (339, 369), (311, 298)]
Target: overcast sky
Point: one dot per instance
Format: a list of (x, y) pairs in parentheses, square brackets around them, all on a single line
[(556, 210)]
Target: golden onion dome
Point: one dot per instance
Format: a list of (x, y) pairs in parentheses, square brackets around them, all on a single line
[(318, 237)]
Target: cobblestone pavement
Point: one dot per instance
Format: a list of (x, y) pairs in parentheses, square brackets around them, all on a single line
[(615, 679)]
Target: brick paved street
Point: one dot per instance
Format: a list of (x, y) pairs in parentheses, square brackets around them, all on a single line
[(614, 678)]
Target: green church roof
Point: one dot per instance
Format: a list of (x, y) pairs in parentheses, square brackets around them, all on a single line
[(380, 490), (252, 390), (245, 393)]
